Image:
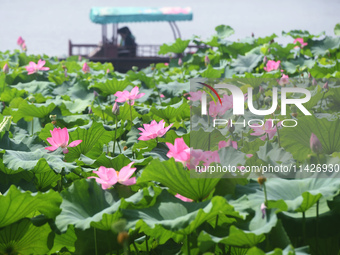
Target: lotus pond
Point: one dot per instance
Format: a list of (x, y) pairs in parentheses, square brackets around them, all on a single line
[(93, 161)]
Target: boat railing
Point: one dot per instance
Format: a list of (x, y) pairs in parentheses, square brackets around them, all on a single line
[(86, 50)]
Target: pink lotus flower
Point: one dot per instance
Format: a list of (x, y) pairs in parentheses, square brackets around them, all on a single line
[(161, 96), (128, 96), (86, 68), (179, 151), (211, 157), (272, 65), (184, 199), (33, 67), (60, 138), (206, 60), (20, 41), (5, 69), (223, 144), (267, 129), (180, 62), (108, 177), (283, 80), (300, 40), (23, 47), (195, 96), (166, 64), (153, 130), (315, 144)]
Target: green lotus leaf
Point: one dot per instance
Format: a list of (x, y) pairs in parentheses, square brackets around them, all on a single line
[(291, 195), (78, 105), (170, 217), (34, 87), (111, 86), (171, 111), (325, 46), (273, 154), (16, 204), (297, 140), (86, 204), (32, 110), (224, 31), (177, 47), (22, 237), (173, 89), (66, 240), (246, 63), (337, 29), (211, 72), (173, 175), (38, 161), (93, 136)]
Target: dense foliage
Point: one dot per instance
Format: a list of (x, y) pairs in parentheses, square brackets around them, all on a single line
[(50, 205)]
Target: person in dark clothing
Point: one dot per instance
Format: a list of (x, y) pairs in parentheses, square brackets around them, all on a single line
[(127, 45)]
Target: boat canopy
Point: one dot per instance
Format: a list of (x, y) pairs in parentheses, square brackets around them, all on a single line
[(108, 15)]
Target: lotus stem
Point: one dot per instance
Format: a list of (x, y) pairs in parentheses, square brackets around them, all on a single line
[(188, 244), (147, 245), (95, 240), (265, 194), (114, 141), (130, 111), (304, 227)]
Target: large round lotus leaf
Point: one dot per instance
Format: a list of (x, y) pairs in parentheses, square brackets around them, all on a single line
[(291, 195), (170, 217), (85, 204), (22, 237), (17, 204)]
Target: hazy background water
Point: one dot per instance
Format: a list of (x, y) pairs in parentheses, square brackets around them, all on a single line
[(46, 26)]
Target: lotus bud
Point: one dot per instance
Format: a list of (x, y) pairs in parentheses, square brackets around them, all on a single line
[(122, 237), (261, 180), (53, 117), (86, 68), (265, 59), (325, 86), (20, 41), (180, 62), (95, 93), (293, 108), (206, 60), (79, 58), (252, 35), (23, 47), (90, 110), (125, 148), (5, 69), (108, 70), (309, 76), (315, 144), (314, 82), (134, 68), (231, 128), (115, 109), (31, 99)]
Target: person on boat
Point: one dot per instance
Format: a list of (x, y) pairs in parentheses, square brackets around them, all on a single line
[(127, 44)]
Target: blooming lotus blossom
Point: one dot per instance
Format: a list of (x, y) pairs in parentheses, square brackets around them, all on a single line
[(179, 151), (33, 67), (86, 68), (184, 199), (5, 69), (300, 40), (283, 80), (128, 96), (223, 144), (315, 144), (195, 96), (272, 65), (153, 130), (108, 177), (20, 41), (268, 129), (161, 96), (60, 138)]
